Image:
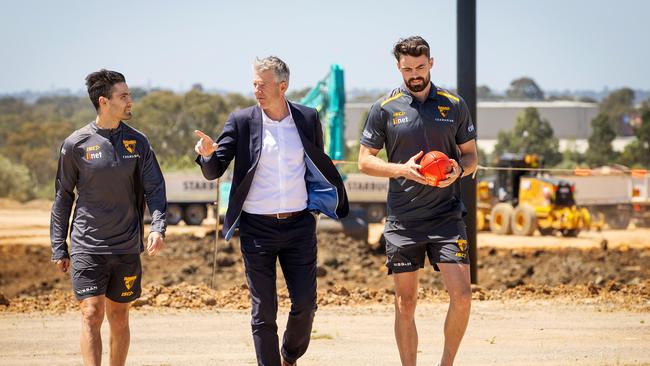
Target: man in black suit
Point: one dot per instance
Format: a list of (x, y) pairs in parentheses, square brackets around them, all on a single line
[(282, 180)]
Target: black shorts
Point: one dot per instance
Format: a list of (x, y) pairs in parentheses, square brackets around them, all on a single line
[(443, 242), (117, 276)]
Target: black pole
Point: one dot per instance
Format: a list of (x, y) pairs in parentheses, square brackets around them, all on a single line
[(216, 235), (466, 81)]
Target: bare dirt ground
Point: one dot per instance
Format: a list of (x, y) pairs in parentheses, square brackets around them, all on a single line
[(540, 301), (511, 333)]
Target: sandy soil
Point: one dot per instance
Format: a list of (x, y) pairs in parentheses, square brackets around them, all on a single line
[(540, 301), (29, 224), (513, 333)]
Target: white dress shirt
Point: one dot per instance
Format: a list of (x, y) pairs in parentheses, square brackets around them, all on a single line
[(279, 182)]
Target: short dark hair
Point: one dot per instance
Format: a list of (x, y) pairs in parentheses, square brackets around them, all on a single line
[(100, 84), (412, 46)]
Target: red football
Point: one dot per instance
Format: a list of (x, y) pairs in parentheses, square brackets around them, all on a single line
[(435, 165)]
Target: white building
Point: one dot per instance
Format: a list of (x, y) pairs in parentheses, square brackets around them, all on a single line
[(571, 121)]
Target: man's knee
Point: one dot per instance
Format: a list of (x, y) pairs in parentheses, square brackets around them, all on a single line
[(264, 315), (405, 304), (304, 305), (118, 318), (461, 298), (92, 315)]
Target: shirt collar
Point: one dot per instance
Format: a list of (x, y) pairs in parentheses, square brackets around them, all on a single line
[(106, 131), (267, 119), (433, 92)]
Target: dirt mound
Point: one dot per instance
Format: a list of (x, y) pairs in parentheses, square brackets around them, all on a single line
[(508, 268), (184, 296), (349, 272)]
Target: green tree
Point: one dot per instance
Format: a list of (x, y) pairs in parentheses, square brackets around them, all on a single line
[(600, 151), (531, 135), (525, 88), (235, 101), (296, 95), (561, 97), (162, 117), (169, 121), (587, 100), (367, 96), (138, 93), (483, 157), (571, 157), (76, 111), (36, 146), (15, 181), (617, 106), (362, 121), (13, 113), (483, 92), (643, 134), (637, 153), (645, 106), (31, 133)]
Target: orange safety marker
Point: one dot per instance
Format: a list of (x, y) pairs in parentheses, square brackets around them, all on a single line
[(640, 173), (582, 172)]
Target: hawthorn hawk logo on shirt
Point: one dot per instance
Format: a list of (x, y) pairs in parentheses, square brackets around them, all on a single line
[(129, 145), (443, 110)]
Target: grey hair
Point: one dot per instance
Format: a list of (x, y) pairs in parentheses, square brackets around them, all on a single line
[(273, 63)]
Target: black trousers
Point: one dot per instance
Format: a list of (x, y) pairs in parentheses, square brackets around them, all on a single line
[(264, 240)]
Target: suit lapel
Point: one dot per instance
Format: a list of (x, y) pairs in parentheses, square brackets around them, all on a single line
[(256, 134), (301, 125)]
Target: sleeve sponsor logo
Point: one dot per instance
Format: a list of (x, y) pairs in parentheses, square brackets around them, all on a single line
[(470, 128), (367, 134)]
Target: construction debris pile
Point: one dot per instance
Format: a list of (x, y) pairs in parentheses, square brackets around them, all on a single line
[(350, 273)]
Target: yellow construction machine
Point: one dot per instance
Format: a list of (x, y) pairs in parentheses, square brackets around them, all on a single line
[(484, 204), (520, 201)]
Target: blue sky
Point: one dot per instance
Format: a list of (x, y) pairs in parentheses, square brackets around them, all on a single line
[(572, 44)]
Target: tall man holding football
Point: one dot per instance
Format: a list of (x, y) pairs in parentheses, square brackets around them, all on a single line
[(424, 215)]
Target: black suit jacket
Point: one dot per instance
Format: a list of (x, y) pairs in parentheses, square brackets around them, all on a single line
[(241, 139)]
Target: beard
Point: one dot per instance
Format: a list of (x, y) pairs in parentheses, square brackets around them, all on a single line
[(127, 115), (418, 87)]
